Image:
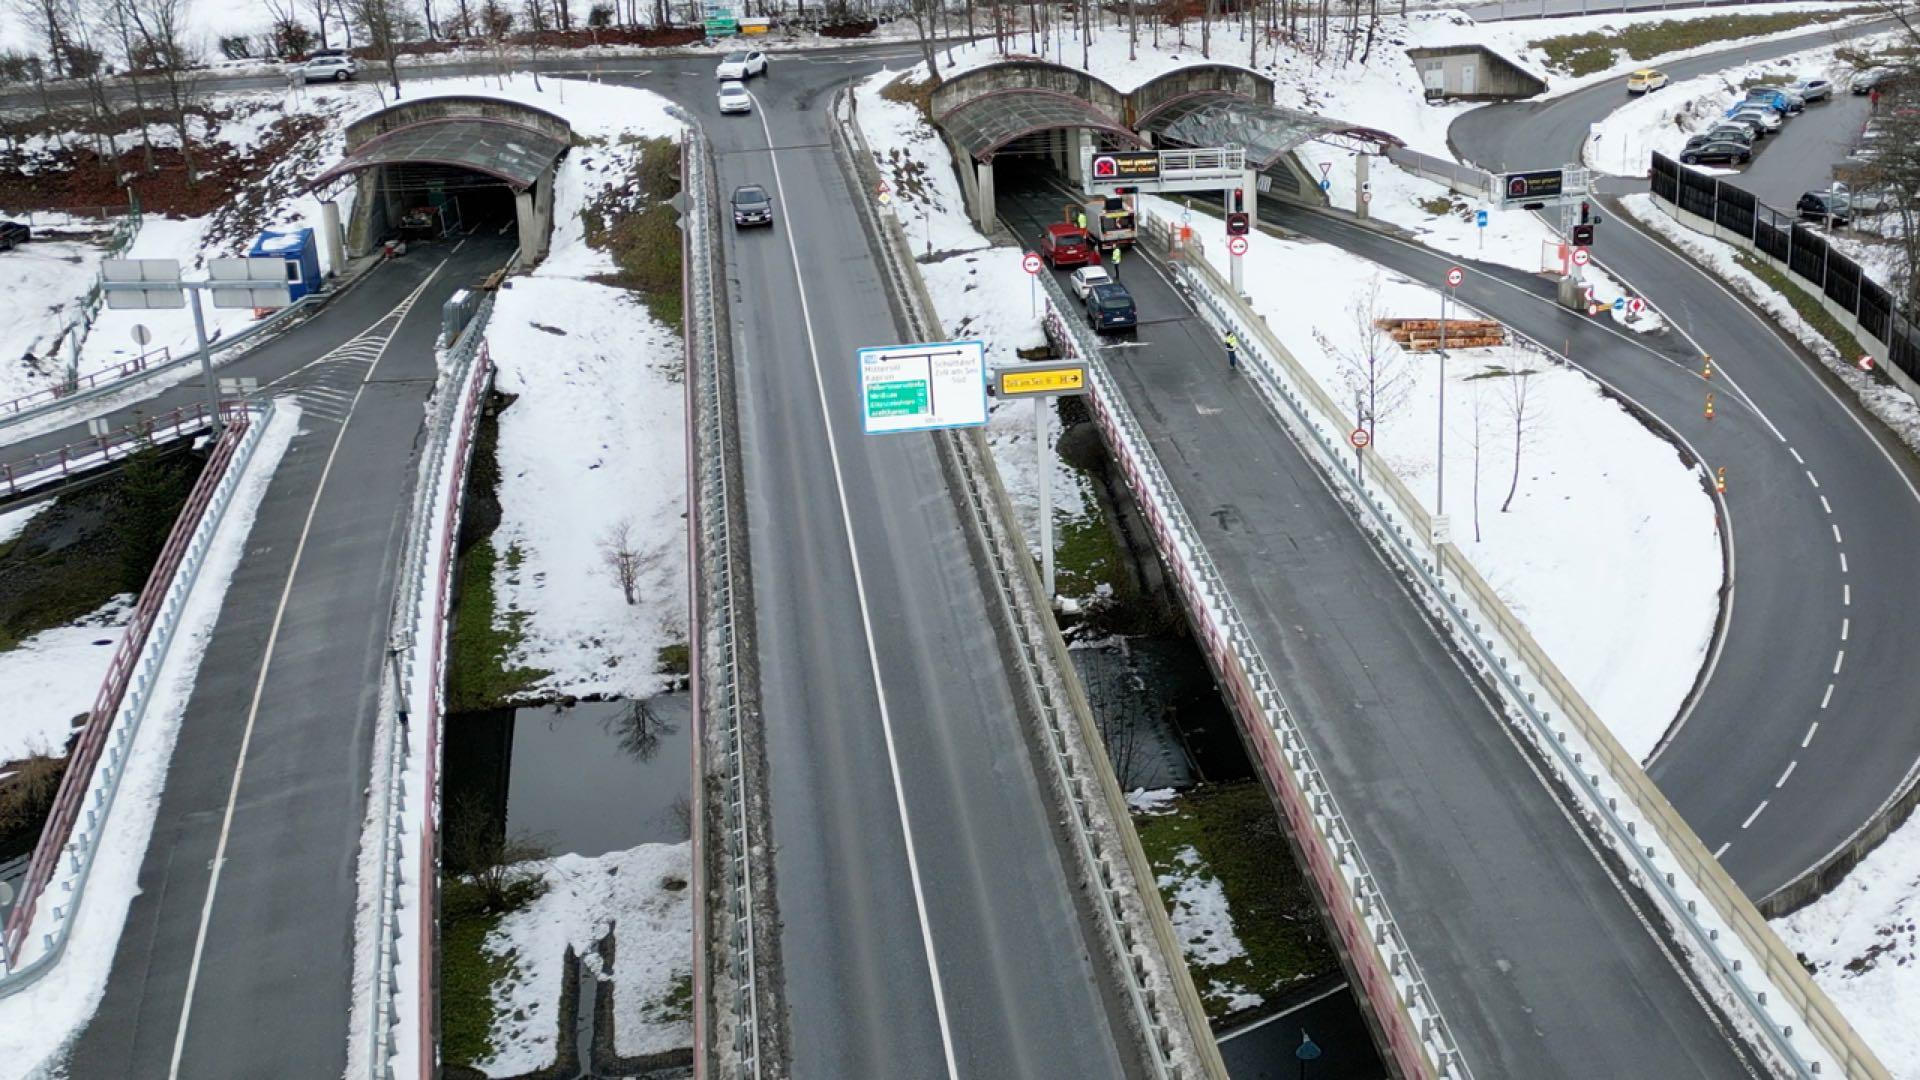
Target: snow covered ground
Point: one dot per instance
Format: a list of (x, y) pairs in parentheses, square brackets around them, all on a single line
[(51, 677), (46, 282), (1611, 559), (641, 895), (596, 440), (1864, 941), (37, 1022), (1203, 922)]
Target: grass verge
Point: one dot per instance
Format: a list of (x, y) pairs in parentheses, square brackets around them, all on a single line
[(468, 972), (1234, 831), (1804, 305), (634, 223), (480, 674), (1586, 54)]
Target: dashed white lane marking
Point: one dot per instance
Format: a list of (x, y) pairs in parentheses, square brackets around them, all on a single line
[(1812, 478), (1782, 782), (1846, 595), (1845, 625), (1722, 849), (1825, 505), (1796, 456), (1815, 727), (1755, 814), (1838, 659), (1836, 535), (1843, 562), (1824, 699)]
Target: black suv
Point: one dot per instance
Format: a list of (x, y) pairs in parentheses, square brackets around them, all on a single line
[(1110, 307), (751, 206), (13, 234)]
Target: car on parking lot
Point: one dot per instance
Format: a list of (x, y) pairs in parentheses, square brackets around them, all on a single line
[(1811, 90), (1720, 132), (329, 69), (1727, 151), (1763, 119), (1777, 98), (1644, 80), (734, 98), (1110, 307), (1085, 278), (13, 234), (1838, 206), (742, 64), (1867, 81), (752, 206), (1068, 245)]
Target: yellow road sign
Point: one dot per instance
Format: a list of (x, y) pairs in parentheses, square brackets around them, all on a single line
[(1039, 381)]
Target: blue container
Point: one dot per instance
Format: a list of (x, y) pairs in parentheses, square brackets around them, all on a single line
[(301, 250)]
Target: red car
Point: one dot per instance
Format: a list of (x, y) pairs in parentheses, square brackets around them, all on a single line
[(1068, 245)]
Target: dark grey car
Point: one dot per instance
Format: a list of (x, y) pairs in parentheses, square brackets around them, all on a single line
[(752, 206), (1727, 151)]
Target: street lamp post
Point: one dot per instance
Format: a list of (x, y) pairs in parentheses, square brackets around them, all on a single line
[(1308, 1050)]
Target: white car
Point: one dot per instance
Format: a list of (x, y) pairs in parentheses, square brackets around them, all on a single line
[(329, 69), (1085, 278), (742, 64), (734, 98)]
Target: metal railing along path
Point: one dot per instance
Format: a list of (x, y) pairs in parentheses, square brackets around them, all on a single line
[(52, 466), (1670, 866), (71, 837)]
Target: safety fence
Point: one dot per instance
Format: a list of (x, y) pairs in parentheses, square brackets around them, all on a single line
[(46, 467), (1797, 1024), (413, 715), (87, 381), (35, 936), (1731, 213)]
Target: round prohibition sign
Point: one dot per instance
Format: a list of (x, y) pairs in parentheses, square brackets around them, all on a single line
[(1360, 438), (1580, 257), (1030, 263), (1455, 276), (1237, 245)]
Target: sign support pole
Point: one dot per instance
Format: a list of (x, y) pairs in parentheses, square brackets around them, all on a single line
[(1044, 455), (1233, 261), (1440, 450), (206, 358)]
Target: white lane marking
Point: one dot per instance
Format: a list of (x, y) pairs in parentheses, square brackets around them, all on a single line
[(1755, 814), (1843, 562), (1845, 624), (1796, 456), (1810, 730), (866, 618), (1825, 505), (1782, 782), (1722, 849), (1846, 595), (260, 687), (1812, 479), (1839, 658), (1836, 535), (1265, 1020), (1825, 699)]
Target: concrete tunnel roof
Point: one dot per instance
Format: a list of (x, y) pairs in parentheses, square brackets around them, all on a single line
[(516, 154), (985, 124)]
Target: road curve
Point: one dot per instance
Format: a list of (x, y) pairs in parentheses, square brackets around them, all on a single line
[(1803, 727)]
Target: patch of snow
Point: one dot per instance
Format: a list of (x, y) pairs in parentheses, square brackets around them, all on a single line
[(913, 159), (46, 282), (1199, 912), (52, 676), (642, 896), (1157, 801), (36, 1023), (14, 522), (1625, 538)]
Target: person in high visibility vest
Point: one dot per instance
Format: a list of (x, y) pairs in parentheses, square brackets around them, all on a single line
[(1117, 252), (1232, 344), (1081, 220)]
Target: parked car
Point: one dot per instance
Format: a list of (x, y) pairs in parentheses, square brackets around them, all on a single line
[(1777, 98), (1085, 278), (1752, 125), (741, 65), (1869, 80), (329, 69), (1110, 307), (1644, 80), (1763, 119), (752, 206), (734, 98), (1839, 207), (1728, 151), (1811, 90), (1727, 130), (13, 234), (1068, 245)]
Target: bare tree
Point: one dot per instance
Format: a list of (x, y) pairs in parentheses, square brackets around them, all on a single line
[(622, 559), (497, 865), (536, 29), (1476, 439), (496, 22), (160, 44), (47, 21), (923, 12), (1524, 420), (381, 21), (1372, 366)]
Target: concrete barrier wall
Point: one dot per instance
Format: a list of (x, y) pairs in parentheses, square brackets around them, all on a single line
[(452, 107)]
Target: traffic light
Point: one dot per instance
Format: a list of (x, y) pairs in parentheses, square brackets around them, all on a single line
[(1125, 190), (1237, 224), (1583, 235), (1586, 213), (1239, 200)]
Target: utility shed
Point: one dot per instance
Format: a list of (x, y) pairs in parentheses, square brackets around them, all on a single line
[(301, 252), (1473, 73)]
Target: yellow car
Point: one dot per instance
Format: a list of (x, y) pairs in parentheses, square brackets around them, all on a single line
[(1644, 80)]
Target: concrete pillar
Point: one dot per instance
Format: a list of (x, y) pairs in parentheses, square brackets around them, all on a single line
[(333, 237), (1360, 185), (985, 213), (1057, 149), (1250, 180), (528, 220), (1075, 138)]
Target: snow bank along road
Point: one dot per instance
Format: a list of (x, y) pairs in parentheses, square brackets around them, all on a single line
[(1540, 957), (1804, 728), (927, 922), (236, 957)]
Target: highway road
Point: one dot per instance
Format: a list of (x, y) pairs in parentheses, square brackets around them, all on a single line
[(1542, 961), (245, 916), (928, 921), (1804, 727), (1535, 9)]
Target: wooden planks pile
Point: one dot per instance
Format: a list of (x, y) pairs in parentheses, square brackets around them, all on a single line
[(1423, 335)]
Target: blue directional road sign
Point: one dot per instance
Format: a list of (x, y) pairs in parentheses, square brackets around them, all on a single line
[(1619, 303), (1326, 185), (1480, 218)]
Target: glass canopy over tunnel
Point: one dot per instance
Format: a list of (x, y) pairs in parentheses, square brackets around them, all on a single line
[(998, 122)]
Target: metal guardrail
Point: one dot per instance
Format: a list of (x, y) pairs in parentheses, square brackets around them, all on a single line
[(1418, 1039), (466, 372), (71, 837), (1396, 515), (1464, 179), (51, 466), (92, 379)]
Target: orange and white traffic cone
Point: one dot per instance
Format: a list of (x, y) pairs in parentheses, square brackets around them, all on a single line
[(1720, 480), (1709, 404), (1706, 367)]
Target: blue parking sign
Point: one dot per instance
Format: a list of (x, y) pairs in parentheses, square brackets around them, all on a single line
[(1480, 218)]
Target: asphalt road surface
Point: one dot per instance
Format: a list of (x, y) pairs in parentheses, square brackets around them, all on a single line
[(1804, 727), (1543, 963), (237, 955), (1535, 9), (928, 926)]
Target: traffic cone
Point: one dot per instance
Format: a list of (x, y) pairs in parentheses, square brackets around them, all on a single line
[(1706, 367), (1720, 480), (1709, 404)]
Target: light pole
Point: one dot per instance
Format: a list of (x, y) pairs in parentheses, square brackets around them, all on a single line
[(1308, 1050)]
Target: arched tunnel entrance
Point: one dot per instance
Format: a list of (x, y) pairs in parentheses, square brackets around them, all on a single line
[(439, 165)]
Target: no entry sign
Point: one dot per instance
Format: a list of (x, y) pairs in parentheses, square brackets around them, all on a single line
[(1030, 263), (1237, 245), (1455, 276), (1580, 256)]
